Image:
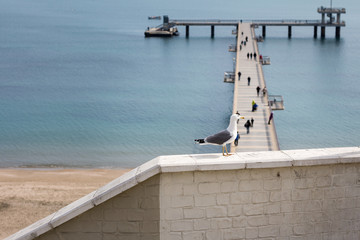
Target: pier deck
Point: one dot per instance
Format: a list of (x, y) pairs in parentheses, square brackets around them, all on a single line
[(262, 137)]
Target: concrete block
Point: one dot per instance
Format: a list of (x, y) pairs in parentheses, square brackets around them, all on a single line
[(276, 219), (181, 225), (311, 206), (227, 187), (194, 213), (202, 224), (260, 197), (174, 213), (253, 209), (251, 233), (209, 188), (115, 214), (234, 234), (274, 184), (338, 192), (182, 201), (150, 227), (275, 196), (226, 176), (213, 235), (239, 222), (303, 183), (190, 189), (303, 229), (234, 210), (250, 185), (272, 208), (269, 231), (223, 199), (317, 194), (322, 227), (300, 194), (257, 221), (286, 230), (193, 236), (345, 180), (213, 212), (109, 227), (172, 189), (128, 227), (203, 201), (205, 176), (220, 223), (323, 181), (240, 197)]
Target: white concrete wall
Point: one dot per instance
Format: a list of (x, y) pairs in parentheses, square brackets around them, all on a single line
[(294, 194), (313, 202)]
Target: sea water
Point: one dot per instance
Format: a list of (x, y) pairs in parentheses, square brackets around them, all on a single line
[(80, 86)]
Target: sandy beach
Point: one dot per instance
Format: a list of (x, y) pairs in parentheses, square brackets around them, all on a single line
[(28, 195)]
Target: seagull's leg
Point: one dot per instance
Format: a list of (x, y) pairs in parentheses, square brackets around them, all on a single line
[(223, 150), (227, 154)]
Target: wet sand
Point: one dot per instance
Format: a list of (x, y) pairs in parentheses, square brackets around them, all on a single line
[(28, 195)]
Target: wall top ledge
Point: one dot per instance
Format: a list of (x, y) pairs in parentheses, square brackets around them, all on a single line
[(191, 162)]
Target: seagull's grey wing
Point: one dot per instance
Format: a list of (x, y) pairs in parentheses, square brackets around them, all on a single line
[(218, 138)]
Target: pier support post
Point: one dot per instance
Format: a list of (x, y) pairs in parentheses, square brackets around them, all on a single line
[(337, 32), (315, 31), (322, 32), (187, 31), (212, 31), (289, 31), (264, 31)]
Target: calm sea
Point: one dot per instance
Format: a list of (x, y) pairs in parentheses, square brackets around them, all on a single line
[(81, 87)]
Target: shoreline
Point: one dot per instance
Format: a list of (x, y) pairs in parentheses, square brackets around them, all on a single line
[(30, 194)]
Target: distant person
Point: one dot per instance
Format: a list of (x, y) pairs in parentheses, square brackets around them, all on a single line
[(254, 106), (255, 56), (252, 122), (240, 47), (246, 38), (237, 112), (258, 90), (264, 91), (239, 75), (249, 79), (248, 55), (242, 33), (270, 117), (244, 43), (236, 142), (247, 126)]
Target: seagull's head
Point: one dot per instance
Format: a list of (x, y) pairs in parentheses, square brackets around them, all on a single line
[(236, 117)]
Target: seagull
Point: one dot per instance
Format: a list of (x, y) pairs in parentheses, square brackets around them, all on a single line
[(224, 137)]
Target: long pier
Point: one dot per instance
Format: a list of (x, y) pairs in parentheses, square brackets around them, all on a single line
[(262, 136)]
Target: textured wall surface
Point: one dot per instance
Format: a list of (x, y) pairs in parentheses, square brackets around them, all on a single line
[(133, 214), (314, 202)]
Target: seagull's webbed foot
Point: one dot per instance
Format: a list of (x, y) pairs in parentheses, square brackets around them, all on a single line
[(227, 153)]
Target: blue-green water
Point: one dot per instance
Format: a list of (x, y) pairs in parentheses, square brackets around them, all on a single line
[(80, 86)]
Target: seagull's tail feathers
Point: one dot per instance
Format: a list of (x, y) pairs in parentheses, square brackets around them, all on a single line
[(199, 141)]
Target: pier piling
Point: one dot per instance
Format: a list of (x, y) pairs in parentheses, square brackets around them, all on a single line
[(289, 31), (322, 32), (337, 32), (187, 31), (315, 31), (212, 31), (264, 31)]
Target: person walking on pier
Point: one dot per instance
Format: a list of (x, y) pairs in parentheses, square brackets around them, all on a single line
[(270, 117), (248, 55), (236, 142), (254, 56), (264, 91), (252, 122), (249, 79), (258, 90), (246, 38), (239, 75), (247, 126), (254, 106)]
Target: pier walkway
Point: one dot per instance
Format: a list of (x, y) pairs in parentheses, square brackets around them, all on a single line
[(262, 137)]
